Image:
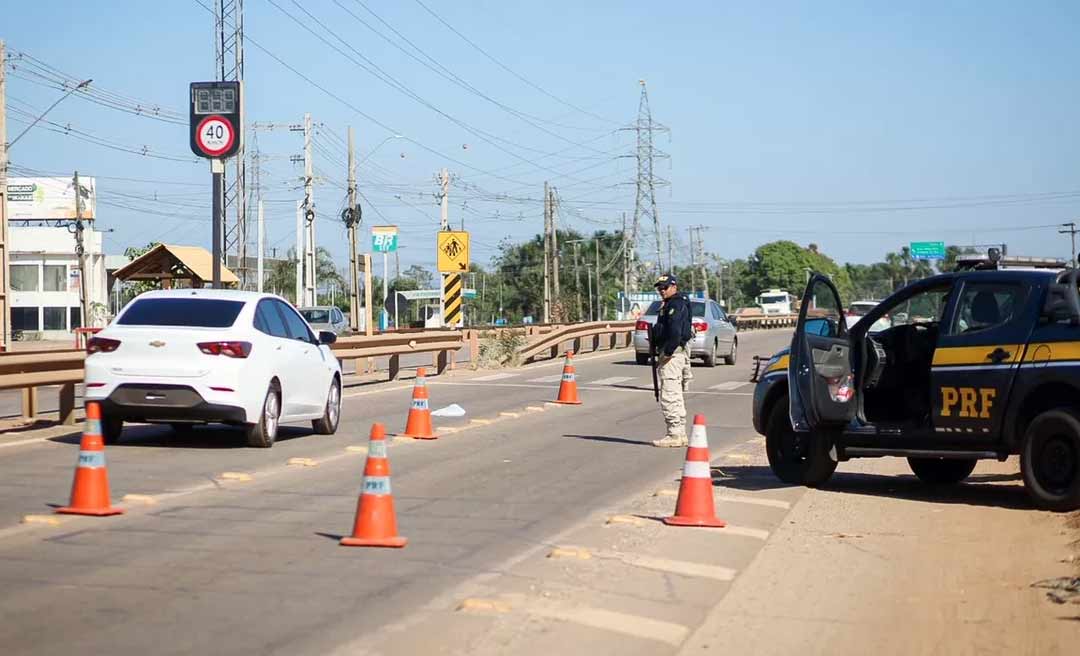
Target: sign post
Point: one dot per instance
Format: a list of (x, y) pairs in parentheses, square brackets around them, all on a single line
[(384, 240), (216, 126), (928, 250)]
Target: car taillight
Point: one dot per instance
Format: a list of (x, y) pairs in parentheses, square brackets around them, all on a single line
[(228, 349), (641, 325), (101, 345), (701, 326)]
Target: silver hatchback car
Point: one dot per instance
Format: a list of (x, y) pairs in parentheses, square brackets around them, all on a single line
[(714, 338)]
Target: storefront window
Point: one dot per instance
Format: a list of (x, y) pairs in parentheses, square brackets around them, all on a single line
[(24, 318), (55, 278), (54, 318), (24, 278), (76, 317)]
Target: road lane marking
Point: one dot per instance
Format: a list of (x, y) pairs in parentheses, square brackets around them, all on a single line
[(235, 476), (614, 380), (489, 605), (302, 462), (495, 377), (545, 379), (47, 520), (534, 408), (729, 386), (637, 626), (512, 415), (588, 387), (144, 499), (356, 449), (577, 553), (482, 422), (683, 567), (772, 503)]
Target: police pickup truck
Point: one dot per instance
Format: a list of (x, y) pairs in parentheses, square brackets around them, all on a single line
[(986, 364)]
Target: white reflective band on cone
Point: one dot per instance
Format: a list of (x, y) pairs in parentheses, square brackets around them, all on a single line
[(93, 426), (695, 469), (568, 377), (698, 437), (420, 383), (377, 449), (420, 404), (377, 485), (92, 459)]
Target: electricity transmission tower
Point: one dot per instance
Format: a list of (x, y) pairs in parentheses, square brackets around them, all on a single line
[(647, 181), (229, 64)]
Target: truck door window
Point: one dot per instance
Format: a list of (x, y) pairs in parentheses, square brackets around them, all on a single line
[(984, 306)]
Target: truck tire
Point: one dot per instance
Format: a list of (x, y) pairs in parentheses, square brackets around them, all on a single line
[(796, 458), (941, 471), (1050, 460)]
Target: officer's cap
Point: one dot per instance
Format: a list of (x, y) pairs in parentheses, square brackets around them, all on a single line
[(666, 280)]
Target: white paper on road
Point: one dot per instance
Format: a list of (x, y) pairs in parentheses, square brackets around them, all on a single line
[(730, 386), (453, 410)]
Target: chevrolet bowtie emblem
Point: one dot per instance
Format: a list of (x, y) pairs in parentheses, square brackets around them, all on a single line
[(157, 343)]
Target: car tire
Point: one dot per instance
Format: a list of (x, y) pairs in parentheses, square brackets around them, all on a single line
[(182, 430), (710, 357), (796, 458), (641, 358), (263, 432), (1050, 460), (111, 428), (731, 357), (328, 423), (941, 471)]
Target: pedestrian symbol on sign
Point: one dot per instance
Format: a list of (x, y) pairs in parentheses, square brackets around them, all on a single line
[(453, 253)]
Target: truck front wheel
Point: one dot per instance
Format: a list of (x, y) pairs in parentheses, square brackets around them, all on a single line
[(1050, 460)]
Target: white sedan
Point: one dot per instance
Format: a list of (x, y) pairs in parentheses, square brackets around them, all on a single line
[(193, 356)]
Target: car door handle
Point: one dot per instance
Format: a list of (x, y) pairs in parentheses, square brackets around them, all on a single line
[(998, 355)]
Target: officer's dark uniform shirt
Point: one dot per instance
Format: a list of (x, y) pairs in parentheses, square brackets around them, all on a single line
[(673, 327)]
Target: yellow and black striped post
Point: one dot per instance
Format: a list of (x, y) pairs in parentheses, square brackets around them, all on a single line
[(452, 298)]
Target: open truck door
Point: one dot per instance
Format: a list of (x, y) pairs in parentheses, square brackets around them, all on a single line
[(822, 389)]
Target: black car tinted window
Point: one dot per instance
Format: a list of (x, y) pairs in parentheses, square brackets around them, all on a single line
[(296, 326), (184, 312), (268, 320)]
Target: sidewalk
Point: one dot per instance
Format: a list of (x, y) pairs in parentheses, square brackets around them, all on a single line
[(882, 564)]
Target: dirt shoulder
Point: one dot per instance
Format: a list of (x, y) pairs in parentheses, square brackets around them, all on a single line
[(880, 563)]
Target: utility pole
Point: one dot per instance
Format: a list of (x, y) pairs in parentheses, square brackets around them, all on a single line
[(1070, 228), (229, 65), (298, 254), (444, 185), (670, 260), (588, 277), (701, 259), (577, 281), (547, 257), (627, 259), (556, 267), (352, 221), (261, 237), (310, 280), (80, 249), (647, 182), (5, 291), (596, 243), (693, 260)]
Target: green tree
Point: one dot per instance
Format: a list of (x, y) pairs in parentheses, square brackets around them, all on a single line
[(784, 265)]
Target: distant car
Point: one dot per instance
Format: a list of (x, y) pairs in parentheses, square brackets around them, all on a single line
[(326, 317), (196, 356), (715, 335), (859, 309)]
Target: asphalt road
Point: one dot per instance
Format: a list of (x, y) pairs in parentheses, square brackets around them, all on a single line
[(254, 567)]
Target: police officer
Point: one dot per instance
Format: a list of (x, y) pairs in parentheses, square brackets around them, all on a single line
[(672, 335)]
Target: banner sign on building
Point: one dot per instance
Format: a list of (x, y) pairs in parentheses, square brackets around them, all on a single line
[(46, 199)]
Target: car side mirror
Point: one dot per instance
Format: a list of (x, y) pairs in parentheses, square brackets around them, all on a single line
[(327, 337), (820, 327)]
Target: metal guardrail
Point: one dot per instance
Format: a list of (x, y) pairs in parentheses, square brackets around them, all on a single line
[(550, 341), (765, 322), (29, 370), (396, 344)]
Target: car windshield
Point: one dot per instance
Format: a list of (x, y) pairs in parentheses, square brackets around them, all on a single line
[(696, 309), (185, 312), (316, 316), (780, 298), (860, 309)]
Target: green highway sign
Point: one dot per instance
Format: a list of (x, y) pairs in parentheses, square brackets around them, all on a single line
[(928, 250), (384, 239)]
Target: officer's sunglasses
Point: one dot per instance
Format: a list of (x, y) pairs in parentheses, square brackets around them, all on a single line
[(662, 288)]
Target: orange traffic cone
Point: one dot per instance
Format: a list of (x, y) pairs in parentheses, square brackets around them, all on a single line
[(695, 504), (90, 489), (568, 386), (418, 426), (376, 524)]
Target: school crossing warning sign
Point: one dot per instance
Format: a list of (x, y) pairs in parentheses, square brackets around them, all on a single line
[(453, 251)]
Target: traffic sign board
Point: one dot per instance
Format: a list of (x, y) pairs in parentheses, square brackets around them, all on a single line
[(215, 136), (453, 251), (928, 250), (384, 239)]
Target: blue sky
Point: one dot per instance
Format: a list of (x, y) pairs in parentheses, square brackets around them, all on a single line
[(858, 126)]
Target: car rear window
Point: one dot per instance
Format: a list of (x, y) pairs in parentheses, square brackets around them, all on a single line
[(316, 316), (186, 312), (696, 309)]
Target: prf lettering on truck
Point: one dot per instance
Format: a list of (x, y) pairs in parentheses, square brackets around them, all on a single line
[(974, 403)]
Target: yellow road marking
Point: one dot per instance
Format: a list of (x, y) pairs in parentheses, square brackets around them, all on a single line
[(489, 605), (235, 476), (145, 499), (303, 462), (47, 520), (579, 553)]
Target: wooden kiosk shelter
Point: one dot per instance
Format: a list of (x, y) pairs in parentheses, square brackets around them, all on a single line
[(175, 267)]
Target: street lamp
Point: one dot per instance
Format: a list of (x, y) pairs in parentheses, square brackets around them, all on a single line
[(79, 87), (380, 145)]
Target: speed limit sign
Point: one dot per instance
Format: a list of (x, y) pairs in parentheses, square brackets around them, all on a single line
[(215, 135)]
